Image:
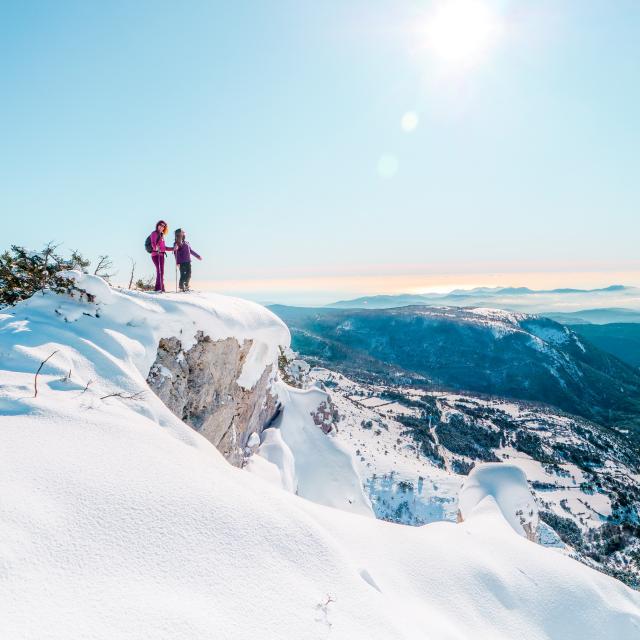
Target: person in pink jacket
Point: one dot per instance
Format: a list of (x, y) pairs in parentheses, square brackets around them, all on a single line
[(159, 249)]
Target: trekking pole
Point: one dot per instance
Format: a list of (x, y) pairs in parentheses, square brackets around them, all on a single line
[(176, 275)]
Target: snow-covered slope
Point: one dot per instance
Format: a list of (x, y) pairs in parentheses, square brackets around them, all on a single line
[(310, 463), (116, 335), (506, 486), (119, 521)]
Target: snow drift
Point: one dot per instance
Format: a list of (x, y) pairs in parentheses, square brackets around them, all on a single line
[(309, 462), (117, 520), (501, 487)]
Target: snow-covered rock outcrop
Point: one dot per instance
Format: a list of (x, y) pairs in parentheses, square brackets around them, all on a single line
[(210, 359), (118, 520), (200, 385), (307, 461), (503, 488)]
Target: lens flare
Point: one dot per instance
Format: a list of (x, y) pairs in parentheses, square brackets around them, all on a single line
[(409, 121)]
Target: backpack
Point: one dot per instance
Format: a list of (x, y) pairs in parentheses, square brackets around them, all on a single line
[(147, 244)]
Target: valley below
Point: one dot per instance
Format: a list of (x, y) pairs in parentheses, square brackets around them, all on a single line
[(415, 434)]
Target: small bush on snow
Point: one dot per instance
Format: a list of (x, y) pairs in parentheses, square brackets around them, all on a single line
[(23, 272)]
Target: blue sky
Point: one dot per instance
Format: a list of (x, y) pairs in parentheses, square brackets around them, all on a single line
[(272, 132)]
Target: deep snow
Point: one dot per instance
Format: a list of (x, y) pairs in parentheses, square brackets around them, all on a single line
[(506, 486), (119, 521)]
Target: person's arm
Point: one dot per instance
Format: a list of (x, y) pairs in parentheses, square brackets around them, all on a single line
[(193, 253)]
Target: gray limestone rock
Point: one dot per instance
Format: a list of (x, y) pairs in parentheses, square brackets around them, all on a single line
[(199, 386)]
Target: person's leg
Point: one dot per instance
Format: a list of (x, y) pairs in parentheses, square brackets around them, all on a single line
[(183, 275), (187, 275), (156, 264), (161, 269)]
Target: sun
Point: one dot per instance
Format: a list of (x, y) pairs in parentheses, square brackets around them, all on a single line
[(460, 32)]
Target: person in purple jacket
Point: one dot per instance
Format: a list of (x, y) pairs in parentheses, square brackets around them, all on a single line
[(182, 251), (159, 249)]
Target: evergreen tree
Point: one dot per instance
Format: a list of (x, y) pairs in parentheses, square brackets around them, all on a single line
[(24, 272)]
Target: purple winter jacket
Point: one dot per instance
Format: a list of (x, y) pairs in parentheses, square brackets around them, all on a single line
[(183, 252)]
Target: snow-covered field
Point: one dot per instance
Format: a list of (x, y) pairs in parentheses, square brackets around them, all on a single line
[(117, 520), (401, 483), (405, 485)]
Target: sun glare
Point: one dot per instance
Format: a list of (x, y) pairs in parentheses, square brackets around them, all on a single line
[(459, 32)]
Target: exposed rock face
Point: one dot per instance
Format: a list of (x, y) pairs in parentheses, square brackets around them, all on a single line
[(199, 386), (326, 416)]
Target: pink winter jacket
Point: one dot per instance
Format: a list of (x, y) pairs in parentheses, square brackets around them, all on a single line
[(158, 245)]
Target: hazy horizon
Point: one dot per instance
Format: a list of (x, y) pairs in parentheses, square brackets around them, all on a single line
[(558, 299)]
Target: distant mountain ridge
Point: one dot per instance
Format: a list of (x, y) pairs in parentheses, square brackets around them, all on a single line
[(615, 303), (476, 291), (479, 350), (622, 339), (596, 316)]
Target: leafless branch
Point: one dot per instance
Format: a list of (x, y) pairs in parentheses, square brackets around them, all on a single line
[(133, 270), (35, 379), (86, 386), (103, 267), (124, 396)]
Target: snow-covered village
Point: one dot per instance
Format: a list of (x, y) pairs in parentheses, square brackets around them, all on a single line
[(319, 321)]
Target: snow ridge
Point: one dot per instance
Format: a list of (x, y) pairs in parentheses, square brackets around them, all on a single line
[(117, 520), (505, 486)]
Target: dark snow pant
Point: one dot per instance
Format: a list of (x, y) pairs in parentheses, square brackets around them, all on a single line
[(158, 261), (185, 275)]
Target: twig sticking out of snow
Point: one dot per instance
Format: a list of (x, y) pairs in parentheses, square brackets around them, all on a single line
[(323, 607), (132, 274), (124, 396), (103, 267), (35, 379)]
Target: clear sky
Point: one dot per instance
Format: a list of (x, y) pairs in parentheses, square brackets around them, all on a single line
[(315, 150)]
